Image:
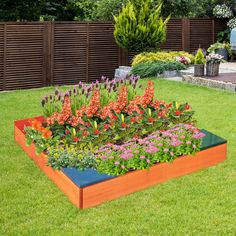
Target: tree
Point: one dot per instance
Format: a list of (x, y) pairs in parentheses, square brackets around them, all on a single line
[(105, 9), (19, 10), (139, 26)]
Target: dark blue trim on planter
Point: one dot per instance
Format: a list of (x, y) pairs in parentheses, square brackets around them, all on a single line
[(86, 177), (89, 177), (211, 140)]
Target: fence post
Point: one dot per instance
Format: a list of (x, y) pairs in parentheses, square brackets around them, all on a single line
[(48, 63), (87, 53), (123, 57), (213, 30), (4, 56), (186, 34)]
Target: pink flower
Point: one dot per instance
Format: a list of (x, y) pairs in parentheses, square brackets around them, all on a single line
[(117, 163), (188, 142), (123, 167), (148, 161), (194, 146), (142, 157), (165, 150)]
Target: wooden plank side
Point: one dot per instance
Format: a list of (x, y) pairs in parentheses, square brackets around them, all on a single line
[(137, 180)]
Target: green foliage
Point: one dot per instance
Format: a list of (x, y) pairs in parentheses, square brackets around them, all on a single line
[(199, 58), (83, 9), (148, 69), (160, 56), (70, 156), (224, 36), (105, 9), (20, 10), (213, 48), (140, 28)]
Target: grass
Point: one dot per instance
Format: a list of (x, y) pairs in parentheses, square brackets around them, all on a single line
[(203, 203)]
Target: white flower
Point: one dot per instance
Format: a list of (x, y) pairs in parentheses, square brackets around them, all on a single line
[(222, 11), (232, 23), (214, 58)]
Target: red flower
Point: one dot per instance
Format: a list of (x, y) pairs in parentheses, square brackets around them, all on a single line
[(85, 133), (96, 132), (106, 126), (151, 119), (187, 107), (177, 113), (75, 139), (123, 125), (67, 131)]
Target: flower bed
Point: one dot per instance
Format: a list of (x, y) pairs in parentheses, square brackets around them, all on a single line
[(89, 188), (107, 130)]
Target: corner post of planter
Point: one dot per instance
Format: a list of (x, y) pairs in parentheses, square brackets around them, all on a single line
[(186, 34)]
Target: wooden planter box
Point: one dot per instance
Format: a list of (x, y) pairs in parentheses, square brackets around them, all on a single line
[(89, 188)]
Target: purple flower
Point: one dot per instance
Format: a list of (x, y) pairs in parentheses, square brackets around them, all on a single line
[(117, 163), (142, 157)]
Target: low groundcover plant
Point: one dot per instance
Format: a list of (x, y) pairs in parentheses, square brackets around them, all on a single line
[(91, 126)]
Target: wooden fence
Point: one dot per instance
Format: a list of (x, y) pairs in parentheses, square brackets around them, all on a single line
[(54, 53)]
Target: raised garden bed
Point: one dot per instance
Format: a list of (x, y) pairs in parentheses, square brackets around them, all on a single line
[(89, 188)]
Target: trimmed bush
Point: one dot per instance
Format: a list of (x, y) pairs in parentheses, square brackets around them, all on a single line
[(140, 27), (160, 56), (149, 69), (199, 58)]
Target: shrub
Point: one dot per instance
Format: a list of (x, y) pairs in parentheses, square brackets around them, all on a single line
[(160, 56), (139, 27), (149, 69), (199, 58)]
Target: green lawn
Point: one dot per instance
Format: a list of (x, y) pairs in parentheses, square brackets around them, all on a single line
[(203, 203)]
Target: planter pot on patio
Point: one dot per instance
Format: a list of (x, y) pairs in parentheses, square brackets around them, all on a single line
[(223, 52), (89, 188), (212, 69), (199, 70)]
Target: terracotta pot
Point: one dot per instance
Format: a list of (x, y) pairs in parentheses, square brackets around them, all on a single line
[(212, 69), (199, 70)]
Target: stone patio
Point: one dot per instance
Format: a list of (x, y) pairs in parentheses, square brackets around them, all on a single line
[(226, 79)]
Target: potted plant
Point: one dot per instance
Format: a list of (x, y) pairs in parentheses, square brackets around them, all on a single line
[(199, 62), (223, 49), (212, 64)]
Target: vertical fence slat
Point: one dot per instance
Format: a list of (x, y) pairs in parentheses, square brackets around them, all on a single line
[(185, 34), (4, 56)]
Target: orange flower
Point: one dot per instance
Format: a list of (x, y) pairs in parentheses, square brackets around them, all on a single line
[(46, 133), (37, 125)]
